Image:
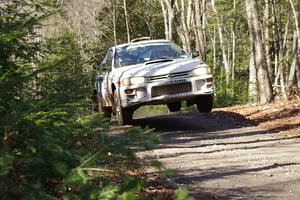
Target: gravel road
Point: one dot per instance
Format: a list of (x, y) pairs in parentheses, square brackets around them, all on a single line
[(215, 157)]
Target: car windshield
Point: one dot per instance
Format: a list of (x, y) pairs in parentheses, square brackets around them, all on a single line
[(142, 53)]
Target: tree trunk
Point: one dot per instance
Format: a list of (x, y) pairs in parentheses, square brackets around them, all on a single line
[(252, 89), (114, 24), (214, 49), (183, 27), (171, 18), (296, 14), (274, 43), (165, 14), (126, 20), (197, 39), (203, 28), (265, 89), (222, 43), (267, 37), (282, 47), (233, 44), (198, 29), (185, 24), (294, 76)]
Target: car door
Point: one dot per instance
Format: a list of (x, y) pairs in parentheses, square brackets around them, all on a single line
[(105, 86)]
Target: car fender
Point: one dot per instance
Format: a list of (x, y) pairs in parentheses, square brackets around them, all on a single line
[(106, 100)]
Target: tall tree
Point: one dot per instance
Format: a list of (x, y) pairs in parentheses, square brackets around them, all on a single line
[(126, 20), (222, 43), (183, 26), (166, 20), (267, 35), (198, 27), (252, 88), (265, 88), (296, 60), (171, 17)]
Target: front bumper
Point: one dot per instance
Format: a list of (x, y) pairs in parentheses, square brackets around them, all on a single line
[(166, 91)]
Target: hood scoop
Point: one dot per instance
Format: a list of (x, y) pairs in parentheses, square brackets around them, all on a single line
[(158, 61)]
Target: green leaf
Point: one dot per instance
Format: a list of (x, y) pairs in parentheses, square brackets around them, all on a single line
[(157, 164), (181, 194), (129, 196), (166, 173), (59, 167), (109, 192), (77, 177), (132, 184)]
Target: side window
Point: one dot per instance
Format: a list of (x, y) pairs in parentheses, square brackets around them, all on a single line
[(108, 59)]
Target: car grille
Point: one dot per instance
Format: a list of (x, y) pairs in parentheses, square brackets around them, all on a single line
[(171, 89), (169, 76)]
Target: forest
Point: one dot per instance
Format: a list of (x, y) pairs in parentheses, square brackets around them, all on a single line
[(52, 145)]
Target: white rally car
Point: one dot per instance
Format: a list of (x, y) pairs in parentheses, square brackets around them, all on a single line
[(149, 72)]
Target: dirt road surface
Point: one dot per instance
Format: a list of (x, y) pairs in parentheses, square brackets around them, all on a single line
[(219, 158)]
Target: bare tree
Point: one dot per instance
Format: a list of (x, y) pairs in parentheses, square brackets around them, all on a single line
[(296, 60), (183, 26), (222, 43), (294, 75), (267, 36), (166, 21), (265, 89), (233, 30), (280, 69), (171, 17), (198, 27), (112, 9), (126, 20), (252, 88)]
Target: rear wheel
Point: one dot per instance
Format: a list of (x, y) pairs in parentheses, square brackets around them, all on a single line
[(174, 107), (204, 103), (123, 115)]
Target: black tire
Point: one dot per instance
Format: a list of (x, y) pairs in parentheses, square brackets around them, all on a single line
[(174, 107), (204, 103), (123, 115), (98, 107)]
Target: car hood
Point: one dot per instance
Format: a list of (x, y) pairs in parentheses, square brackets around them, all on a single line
[(160, 68)]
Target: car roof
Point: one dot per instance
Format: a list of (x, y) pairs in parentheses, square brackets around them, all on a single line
[(143, 42)]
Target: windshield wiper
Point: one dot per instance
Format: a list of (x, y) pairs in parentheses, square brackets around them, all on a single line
[(158, 61)]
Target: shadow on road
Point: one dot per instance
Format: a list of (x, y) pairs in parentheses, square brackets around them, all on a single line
[(218, 173), (194, 144), (204, 122), (261, 192)]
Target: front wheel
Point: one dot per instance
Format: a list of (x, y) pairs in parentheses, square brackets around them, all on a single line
[(123, 115), (204, 103)]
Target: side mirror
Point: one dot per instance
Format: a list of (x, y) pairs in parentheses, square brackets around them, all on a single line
[(195, 54)]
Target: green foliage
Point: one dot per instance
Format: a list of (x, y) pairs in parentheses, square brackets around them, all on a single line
[(145, 20), (181, 194), (163, 172), (231, 93), (166, 173), (50, 145), (157, 164)]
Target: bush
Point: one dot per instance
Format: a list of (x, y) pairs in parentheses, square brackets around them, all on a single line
[(50, 145)]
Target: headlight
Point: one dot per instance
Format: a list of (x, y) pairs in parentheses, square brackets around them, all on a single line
[(201, 71), (133, 81), (125, 82), (138, 80)]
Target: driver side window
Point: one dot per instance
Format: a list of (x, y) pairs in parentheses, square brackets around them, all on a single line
[(107, 62)]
